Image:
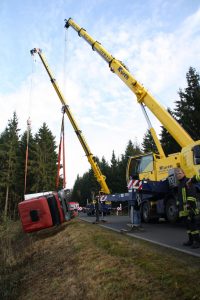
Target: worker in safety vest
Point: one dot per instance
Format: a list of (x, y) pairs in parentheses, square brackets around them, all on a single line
[(194, 179), (187, 203)]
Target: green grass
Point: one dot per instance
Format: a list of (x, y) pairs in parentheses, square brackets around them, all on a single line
[(84, 261)]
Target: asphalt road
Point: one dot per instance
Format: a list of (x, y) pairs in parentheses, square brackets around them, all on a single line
[(164, 234)]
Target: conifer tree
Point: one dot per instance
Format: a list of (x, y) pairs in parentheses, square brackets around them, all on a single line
[(115, 177), (76, 191), (148, 144), (105, 170), (84, 188), (86, 185), (187, 109), (44, 160), (9, 152), (186, 112), (167, 141)]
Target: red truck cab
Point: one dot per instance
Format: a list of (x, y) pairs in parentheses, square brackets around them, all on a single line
[(40, 211)]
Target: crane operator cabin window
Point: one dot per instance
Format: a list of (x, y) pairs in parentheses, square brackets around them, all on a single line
[(146, 164)]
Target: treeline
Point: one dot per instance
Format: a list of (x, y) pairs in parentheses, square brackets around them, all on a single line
[(41, 171), (186, 112), (42, 161)]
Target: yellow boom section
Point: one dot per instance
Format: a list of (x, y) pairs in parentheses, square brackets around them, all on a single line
[(97, 172), (143, 96)]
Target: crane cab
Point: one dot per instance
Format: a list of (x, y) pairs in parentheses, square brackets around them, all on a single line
[(151, 167), (141, 167)]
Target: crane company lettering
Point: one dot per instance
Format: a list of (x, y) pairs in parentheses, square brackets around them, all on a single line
[(123, 73)]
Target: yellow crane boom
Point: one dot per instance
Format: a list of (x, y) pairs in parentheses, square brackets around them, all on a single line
[(97, 172), (143, 96)]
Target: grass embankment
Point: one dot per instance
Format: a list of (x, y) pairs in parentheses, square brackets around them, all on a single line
[(83, 261)]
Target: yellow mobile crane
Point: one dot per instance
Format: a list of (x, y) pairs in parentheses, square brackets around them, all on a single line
[(156, 171), (97, 172)]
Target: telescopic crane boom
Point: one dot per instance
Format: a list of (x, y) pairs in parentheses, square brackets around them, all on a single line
[(143, 96), (97, 172)]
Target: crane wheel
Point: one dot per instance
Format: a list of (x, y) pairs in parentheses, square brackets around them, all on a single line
[(171, 210)]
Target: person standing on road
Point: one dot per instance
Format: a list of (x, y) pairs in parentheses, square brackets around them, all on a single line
[(188, 210), (97, 208), (136, 222)]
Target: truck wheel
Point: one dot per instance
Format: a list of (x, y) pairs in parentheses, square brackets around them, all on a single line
[(171, 210), (146, 212)]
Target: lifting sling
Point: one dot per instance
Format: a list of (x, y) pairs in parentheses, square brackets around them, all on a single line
[(26, 159), (61, 152)]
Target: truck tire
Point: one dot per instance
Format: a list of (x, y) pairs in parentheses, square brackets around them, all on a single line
[(171, 210), (146, 216)]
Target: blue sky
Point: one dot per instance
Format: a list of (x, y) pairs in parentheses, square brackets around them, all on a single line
[(157, 40)]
